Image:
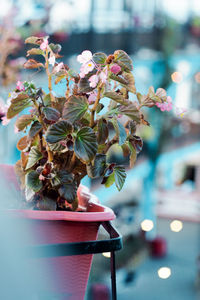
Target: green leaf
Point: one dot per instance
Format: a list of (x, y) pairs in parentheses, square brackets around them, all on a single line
[(85, 145), (130, 86), (47, 203), (99, 58), (97, 168), (56, 147), (35, 129), (33, 157), (65, 177), (152, 95), (47, 99), (33, 182), (75, 108), (51, 114), (23, 121), (110, 180), (136, 142), (100, 106), (58, 131), (56, 48), (102, 131), (133, 156), (131, 111), (84, 86), (16, 107), (34, 51), (120, 176), (120, 131), (32, 40), (68, 191), (72, 73), (19, 98), (116, 97), (140, 98), (119, 79), (123, 60), (33, 64)]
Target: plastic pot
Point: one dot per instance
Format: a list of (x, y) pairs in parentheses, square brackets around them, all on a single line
[(66, 276)]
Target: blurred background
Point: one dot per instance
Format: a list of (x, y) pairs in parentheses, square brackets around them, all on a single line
[(158, 210)]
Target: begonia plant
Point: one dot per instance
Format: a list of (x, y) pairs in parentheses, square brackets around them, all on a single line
[(69, 137)]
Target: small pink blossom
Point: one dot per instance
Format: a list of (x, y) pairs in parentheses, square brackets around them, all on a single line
[(86, 68), (84, 57), (20, 86), (93, 80), (119, 116), (115, 68), (165, 106), (5, 121), (104, 76), (52, 60), (92, 97), (180, 111), (44, 45), (59, 67), (41, 177), (63, 143)]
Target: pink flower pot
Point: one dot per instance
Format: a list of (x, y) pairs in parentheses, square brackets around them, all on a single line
[(67, 275)]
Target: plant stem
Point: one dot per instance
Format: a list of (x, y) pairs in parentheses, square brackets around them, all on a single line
[(109, 145), (68, 89), (49, 76), (73, 162), (95, 107)]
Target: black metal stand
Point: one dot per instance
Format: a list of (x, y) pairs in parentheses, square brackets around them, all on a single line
[(90, 247)]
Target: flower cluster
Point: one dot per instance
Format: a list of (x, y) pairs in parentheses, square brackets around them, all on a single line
[(165, 106)]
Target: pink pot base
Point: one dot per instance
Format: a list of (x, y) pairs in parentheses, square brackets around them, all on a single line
[(67, 276)]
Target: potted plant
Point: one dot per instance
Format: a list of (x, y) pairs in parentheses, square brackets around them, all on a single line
[(68, 138)]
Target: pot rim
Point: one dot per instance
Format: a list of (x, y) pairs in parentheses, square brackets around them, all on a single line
[(95, 213)]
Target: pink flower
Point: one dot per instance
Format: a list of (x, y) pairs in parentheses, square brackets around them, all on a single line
[(59, 67), (93, 80), (115, 68), (44, 45), (92, 97), (180, 111), (165, 106), (119, 116), (5, 121), (104, 76), (20, 86), (52, 60), (41, 177), (84, 57), (63, 143), (86, 68)]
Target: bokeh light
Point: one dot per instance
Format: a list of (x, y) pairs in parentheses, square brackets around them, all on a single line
[(176, 225), (197, 77), (147, 225), (177, 77), (164, 272)]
